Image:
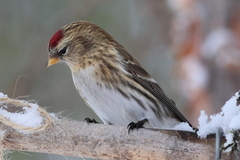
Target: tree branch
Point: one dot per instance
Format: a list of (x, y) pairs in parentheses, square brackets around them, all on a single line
[(112, 142)]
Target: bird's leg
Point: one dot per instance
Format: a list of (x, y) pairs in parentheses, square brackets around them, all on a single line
[(89, 120), (139, 124)]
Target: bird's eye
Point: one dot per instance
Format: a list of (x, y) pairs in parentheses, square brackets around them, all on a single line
[(62, 51)]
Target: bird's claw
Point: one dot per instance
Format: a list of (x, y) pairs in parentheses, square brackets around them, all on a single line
[(139, 124), (89, 120)]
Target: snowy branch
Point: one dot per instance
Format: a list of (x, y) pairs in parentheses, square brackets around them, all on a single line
[(33, 129), (111, 142)]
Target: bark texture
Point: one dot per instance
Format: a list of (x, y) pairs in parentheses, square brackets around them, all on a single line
[(112, 142)]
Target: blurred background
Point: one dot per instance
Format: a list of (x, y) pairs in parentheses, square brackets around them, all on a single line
[(190, 47)]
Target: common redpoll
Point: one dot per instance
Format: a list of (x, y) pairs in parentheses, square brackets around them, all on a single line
[(110, 80)]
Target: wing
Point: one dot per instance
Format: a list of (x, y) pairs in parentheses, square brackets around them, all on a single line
[(140, 76)]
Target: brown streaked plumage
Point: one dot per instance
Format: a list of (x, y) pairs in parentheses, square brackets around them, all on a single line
[(110, 80)]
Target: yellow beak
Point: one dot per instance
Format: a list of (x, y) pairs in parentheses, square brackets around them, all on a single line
[(52, 61)]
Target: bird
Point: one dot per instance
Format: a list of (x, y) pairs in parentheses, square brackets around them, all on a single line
[(110, 80)]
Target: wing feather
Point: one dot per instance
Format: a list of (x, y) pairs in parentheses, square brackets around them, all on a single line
[(144, 79)]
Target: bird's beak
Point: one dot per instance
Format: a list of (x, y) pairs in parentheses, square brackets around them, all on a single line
[(52, 61)]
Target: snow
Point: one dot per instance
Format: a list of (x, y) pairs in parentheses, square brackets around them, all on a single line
[(184, 126), (28, 117), (228, 120), (3, 95)]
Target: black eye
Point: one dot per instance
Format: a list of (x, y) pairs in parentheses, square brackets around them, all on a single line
[(62, 51)]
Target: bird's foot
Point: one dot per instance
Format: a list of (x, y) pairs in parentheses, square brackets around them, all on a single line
[(89, 120), (139, 124)]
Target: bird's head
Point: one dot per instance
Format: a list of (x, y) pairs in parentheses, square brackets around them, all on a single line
[(74, 40)]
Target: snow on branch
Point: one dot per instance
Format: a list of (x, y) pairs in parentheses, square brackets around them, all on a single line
[(99, 141), (30, 117), (111, 142), (228, 120)]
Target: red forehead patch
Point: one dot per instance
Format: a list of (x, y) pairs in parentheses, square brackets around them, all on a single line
[(55, 39)]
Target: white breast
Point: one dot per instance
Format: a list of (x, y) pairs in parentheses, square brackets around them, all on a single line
[(111, 106)]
